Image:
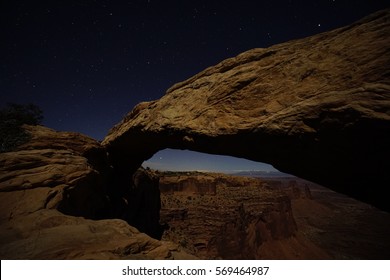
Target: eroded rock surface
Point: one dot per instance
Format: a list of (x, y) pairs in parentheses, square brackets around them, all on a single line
[(269, 218), (49, 234), (54, 170), (239, 218), (55, 200), (318, 108)]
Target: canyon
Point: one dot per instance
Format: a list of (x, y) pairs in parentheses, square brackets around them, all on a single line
[(317, 108), (219, 216)]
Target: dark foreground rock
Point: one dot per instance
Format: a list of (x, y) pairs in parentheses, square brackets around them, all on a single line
[(318, 108)]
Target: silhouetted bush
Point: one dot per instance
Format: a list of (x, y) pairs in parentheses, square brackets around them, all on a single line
[(12, 117)]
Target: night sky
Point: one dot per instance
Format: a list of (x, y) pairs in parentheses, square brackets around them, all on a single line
[(88, 63)]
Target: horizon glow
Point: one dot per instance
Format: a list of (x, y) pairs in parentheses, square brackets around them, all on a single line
[(186, 160)]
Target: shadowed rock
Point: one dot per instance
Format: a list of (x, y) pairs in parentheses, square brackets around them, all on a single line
[(54, 170), (55, 202), (318, 108)]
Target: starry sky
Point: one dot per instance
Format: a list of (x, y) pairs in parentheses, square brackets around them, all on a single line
[(88, 63)]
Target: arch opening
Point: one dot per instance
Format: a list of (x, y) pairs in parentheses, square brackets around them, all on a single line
[(213, 205), (187, 160)]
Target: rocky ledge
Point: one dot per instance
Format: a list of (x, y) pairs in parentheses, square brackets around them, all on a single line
[(56, 203)]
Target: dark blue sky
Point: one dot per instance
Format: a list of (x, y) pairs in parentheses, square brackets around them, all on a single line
[(87, 63)]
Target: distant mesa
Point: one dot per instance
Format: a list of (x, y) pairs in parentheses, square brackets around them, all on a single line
[(260, 173), (317, 108), (187, 185)]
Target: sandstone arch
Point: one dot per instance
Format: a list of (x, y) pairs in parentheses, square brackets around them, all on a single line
[(318, 108)]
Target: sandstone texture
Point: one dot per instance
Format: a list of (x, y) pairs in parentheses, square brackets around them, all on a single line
[(317, 107), (56, 203), (49, 234), (54, 170)]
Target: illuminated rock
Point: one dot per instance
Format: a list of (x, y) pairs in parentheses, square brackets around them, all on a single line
[(317, 107)]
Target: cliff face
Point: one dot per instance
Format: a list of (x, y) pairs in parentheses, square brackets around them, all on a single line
[(189, 185), (269, 218), (55, 201), (317, 108), (239, 218)]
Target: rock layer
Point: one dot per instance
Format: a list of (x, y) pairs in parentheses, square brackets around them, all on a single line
[(318, 108), (239, 218), (54, 170), (55, 199), (269, 218), (49, 234)]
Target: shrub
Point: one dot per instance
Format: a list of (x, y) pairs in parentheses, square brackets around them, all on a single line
[(12, 117)]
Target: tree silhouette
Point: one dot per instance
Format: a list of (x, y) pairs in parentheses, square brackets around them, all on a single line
[(12, 117)]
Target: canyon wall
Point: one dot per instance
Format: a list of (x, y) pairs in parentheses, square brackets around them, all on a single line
[(239, 218)]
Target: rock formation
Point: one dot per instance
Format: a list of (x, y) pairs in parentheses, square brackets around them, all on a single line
[(342, 226), (318, 108), (55, 201), (239, 218), (54, 170), (170, 183), (263, 218)]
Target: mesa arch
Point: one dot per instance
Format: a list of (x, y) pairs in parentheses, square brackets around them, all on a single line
[(318, 108)]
